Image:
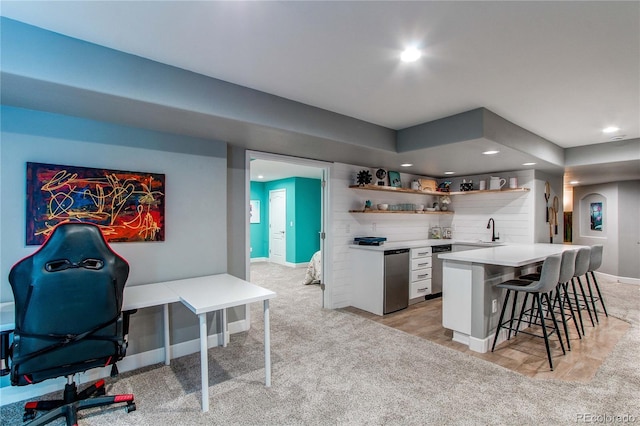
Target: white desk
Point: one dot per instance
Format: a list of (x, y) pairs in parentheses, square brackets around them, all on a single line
[(147, 295), (219, 292), (200, 295), (7, 316)]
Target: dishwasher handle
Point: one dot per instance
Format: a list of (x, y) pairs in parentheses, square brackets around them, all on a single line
[(397, 251)]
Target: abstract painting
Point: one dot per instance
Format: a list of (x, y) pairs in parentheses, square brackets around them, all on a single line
[(127, 206)]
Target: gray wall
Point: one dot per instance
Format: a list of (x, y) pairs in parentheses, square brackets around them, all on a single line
[(195, 217), (629, 229), (541, 226), (620, 234)]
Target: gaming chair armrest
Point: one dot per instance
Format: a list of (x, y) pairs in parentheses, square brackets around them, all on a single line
[(125, 319)]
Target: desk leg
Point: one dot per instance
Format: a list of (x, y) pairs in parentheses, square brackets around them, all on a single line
[(224, 328), (204, 362), (167, 342), (267, 345)]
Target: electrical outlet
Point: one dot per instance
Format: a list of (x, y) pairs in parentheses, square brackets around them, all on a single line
[(494, 306)]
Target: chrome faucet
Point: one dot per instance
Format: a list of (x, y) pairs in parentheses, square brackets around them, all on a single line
[(493, 231)]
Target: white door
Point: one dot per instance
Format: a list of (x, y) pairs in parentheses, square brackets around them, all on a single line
[(277, 226)]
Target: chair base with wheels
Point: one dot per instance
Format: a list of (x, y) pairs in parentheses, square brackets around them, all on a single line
[(74, 401)]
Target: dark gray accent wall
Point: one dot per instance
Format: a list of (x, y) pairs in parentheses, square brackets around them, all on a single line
[(456, 128), (509, 134), (609, 152), (51, 72)]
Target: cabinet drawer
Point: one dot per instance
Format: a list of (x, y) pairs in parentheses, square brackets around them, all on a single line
[(421, 274), (420, 252), (420, 263), (419, 288)]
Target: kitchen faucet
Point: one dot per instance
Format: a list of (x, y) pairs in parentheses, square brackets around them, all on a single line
[(493, 231)]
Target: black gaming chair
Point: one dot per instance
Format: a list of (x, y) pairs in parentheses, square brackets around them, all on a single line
[(69, 319)]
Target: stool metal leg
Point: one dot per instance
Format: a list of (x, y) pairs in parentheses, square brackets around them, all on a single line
[(564, 319), (513, 311), (579, 311), (567, 301), (595, 284), (499, 327), (586, 302), (544, 329), (593, 275), (593, 300), (555, 325)]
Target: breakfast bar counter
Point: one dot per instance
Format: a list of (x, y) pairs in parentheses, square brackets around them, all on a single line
[(470, 300)]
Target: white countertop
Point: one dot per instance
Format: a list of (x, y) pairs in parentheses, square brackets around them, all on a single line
[(393, 245), (509, 255)]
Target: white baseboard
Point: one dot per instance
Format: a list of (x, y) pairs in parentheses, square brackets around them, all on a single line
[(10, 394), (258, 259), (623, 280)]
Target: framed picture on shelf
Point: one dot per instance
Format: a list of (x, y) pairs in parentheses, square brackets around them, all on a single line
[(394, 179)]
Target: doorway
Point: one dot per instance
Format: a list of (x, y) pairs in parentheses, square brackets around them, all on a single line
[(294, 194), (278, 226)]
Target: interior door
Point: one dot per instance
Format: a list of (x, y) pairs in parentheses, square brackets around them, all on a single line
[(277, 226)]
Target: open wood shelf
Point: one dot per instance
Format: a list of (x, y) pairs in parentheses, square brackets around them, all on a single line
[(438, 193), (399, 211)]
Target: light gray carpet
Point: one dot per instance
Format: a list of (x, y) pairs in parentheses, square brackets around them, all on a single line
[(333, 367)]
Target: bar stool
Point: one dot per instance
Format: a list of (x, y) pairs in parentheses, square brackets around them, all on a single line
[(595, 262), (567, 268), (583, 259), (540, 290)]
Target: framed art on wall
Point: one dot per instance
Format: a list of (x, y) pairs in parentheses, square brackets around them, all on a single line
[(596, 216), (127, 206), (254, 211)]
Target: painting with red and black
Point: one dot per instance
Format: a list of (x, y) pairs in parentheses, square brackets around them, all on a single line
[(127, 206)]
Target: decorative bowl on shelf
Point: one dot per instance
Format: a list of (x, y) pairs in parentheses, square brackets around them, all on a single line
[(430, 209), (383, 206)]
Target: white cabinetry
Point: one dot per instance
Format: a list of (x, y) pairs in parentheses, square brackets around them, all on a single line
[(420, 284)]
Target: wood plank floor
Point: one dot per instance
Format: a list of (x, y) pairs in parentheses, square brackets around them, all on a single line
[(523, 354)]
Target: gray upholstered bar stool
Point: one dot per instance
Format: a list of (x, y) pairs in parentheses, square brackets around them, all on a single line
[(540, 290), (567, 268), (595, 262), (583, 259)]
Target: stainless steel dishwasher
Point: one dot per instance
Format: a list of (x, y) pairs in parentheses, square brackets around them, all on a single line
[(396, 280), (436, 268)]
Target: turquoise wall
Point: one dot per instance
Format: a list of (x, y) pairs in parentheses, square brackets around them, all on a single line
[(259, 237), (303, 216), (308, 217)]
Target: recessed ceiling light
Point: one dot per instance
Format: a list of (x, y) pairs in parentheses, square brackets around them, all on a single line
[(610, 129), (410, 54), (528, 164), (574, 182), (490, 152), (260, 177), (449, 173), (406, 165), (618, 138)]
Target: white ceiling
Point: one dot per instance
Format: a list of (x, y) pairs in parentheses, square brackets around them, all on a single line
[(562, 70), (267, 170)]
